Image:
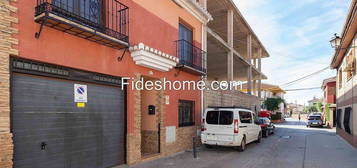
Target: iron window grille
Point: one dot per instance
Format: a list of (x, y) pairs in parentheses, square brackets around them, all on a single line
[(109, 17), (186, 113), (190, 55)]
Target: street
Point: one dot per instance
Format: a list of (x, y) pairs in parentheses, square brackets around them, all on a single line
[(292, 146)]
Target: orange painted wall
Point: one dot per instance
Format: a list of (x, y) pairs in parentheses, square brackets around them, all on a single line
[(170, 12), (145, 26)]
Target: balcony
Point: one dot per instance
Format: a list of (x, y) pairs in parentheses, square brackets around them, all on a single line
[(102, 21), (191, 58)]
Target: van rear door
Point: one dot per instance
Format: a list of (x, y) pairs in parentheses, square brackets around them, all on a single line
[(219, 125)]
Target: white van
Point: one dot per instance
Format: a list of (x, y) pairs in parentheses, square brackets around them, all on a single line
[(230, 126)]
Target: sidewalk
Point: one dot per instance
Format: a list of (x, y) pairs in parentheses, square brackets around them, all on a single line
[(329, 151), (206, 157)]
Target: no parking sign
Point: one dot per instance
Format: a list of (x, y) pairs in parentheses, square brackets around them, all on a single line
[(80, 93)]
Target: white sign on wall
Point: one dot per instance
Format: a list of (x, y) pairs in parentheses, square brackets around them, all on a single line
[(167, 99), (80, 93)]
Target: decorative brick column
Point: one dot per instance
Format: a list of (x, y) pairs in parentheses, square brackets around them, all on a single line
[(134, 138), (160, 104), (7, 19)]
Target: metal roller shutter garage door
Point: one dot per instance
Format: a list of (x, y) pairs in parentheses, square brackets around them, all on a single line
[(50, 131)]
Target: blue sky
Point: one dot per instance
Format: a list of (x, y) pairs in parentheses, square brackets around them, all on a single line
[(296, 33)]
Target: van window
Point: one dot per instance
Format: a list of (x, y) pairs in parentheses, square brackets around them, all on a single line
[(225, 118), (212, 117), (219, 117), (245, 117)]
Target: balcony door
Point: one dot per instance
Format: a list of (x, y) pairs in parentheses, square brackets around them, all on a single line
[(186, 43), (87, 11)]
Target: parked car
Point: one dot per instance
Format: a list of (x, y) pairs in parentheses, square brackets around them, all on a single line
[(267, 126), (314, 120), (230, 126)]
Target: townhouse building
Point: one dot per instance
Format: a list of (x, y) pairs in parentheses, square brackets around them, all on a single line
[(234, 53), (344, 61), (329, 101), (274, 91), (314, 101), (268, 91), (63, 98)]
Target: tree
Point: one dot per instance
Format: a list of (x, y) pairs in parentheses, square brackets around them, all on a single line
[(318, 106), (272, 104), (310, 109)]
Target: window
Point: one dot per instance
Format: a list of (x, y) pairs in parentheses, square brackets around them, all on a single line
[(225, 117), (351, 65), (314, 118), (87, 9), (212, 117), (185, 33), (186, 40), (186, 113), (340, 78), (245, 117), (349, 74), (346, 119), (354, 67), (338, 118), (219, 117), (264, 120)]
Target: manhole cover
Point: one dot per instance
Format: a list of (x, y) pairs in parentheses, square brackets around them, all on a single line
[(285, 137)]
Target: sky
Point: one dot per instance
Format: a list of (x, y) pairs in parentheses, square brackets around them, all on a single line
[(296, 34)]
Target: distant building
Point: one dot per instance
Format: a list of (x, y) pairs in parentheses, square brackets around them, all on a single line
[(314, 101), (329, 101), (269, 91), (293, 108)]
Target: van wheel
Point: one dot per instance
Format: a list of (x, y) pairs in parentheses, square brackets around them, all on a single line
[(260, 137), (241, 148), (208, 146)]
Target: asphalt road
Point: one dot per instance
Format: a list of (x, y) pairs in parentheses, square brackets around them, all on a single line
[(292, 146)]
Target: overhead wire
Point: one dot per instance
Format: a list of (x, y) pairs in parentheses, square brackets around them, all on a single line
[(304, 77)]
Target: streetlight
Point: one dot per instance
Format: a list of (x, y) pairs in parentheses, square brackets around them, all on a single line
[(335, 41)]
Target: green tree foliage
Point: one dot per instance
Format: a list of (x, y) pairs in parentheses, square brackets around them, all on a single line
[(318, 106), (327, 114), (310, 109), (272, 104)]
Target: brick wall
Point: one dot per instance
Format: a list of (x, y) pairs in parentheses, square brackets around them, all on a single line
[(183, 140), (151, 143), (7, 41), (134, 138), (350, 138)]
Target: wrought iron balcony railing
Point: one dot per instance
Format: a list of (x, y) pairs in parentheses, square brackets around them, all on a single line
[(191, 57), (96, 20)]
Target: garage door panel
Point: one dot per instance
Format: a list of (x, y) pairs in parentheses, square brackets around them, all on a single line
[(31, 154), (44, 111), (54, 162), (49, 97)]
